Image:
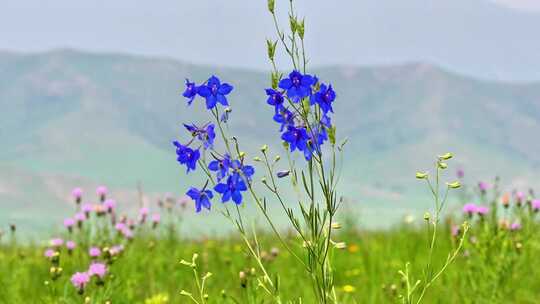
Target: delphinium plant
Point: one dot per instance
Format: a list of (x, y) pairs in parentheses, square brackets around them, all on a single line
[(302, 106), (415, 289)]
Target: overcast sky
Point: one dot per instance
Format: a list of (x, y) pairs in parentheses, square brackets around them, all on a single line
[(495, 39)]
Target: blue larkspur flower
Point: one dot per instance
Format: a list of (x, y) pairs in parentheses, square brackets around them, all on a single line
[(205, 134), (201, 197), (324, 98), (317, 137), (296, 137), (275, 98), (246, 170), (232, 189), (285, 118), (187, 156), (214, 91), (326, 121), (221, 166), (298, 86), (191, 91)]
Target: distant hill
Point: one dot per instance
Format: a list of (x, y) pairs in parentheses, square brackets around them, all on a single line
[(74, 118)]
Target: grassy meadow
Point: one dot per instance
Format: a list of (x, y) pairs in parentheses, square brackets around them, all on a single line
[(498, 262)]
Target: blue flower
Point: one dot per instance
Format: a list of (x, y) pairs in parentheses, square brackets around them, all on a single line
[(187, 156), (298, 86), (324, 98), (285, 118), (205, 134), (222, 166), (201, 197), (282, 174), (275, 98), (232, 189), (190, 92), (208, 136), (214, 91), (296, 137), (317, 137), (247, 170), (326, 121)]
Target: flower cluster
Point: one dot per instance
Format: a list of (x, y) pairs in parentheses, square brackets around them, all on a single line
[(292, 101), (232, 175)]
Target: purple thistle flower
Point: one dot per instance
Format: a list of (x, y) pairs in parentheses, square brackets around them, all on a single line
[(156, 218), (70, 245), (101, 191), (87, 208), (77, 194), (80, 217), (470, 209), (69, 223), (116, 250), (109, 205), (127, 233), (201, 197), (482, 210), (520, 196), (97, 269), (120, 226), (79, 280), (94, 252), (515, 226), (535, 204), (214, 92), (143, 212), (56, 242), (455, 230), (49, 253), (483, 186)]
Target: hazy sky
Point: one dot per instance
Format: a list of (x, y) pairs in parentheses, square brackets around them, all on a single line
[(496, 39)]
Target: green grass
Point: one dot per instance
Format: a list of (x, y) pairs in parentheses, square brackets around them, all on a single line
[(150, 267)]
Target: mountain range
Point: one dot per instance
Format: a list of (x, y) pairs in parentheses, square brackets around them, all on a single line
[(72, 118)]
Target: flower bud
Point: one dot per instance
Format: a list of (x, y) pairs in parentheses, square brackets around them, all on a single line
[(257, 159), (242, 154), (271, 5), (427, 216), (340, 245), (446, 156), (293, 23), (336, 225), (301, 28), (442, 165), (421, 175), (271, 48), (277, 158), (284, 173), (264, 148), (454, 185)]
